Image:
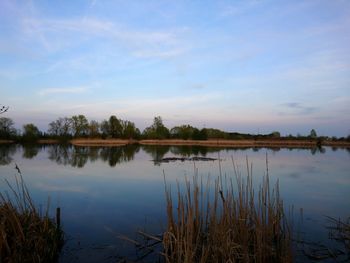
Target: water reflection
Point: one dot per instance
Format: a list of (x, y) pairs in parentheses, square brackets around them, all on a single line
[(157, 152), (6, 153), (79, 156), (30, 150)]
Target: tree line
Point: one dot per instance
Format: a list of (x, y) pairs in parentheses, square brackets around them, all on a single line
[(78, 126)]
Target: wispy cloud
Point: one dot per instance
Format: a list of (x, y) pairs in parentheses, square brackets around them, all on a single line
[(56, 34), (72, 90), (296, 108)]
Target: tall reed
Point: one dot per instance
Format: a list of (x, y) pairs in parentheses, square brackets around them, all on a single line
[(226, 221), (25, 234)]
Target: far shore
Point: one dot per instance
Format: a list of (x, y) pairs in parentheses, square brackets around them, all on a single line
[(277, 143)]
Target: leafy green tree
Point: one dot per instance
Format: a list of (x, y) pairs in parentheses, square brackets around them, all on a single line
[(80, 125), (182, 132), (115, 127), (200, 134), (275, 134), (7, 131), (129, 130), (157, 130), (30, 132)]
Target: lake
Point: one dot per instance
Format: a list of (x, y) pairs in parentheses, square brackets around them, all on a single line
[(108, 192)]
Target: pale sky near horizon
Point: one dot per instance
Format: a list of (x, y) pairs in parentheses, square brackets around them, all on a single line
[(246, 66)]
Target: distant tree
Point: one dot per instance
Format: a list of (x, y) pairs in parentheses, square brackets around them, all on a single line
[(60, 127), (215, 134), (313, 134), (157, 130), (7, 131), (93, 129), (30, 132), (275, 134), (199, 134), (80, 125), (104, 128), (115, 127), (182, 132), (129, 130)]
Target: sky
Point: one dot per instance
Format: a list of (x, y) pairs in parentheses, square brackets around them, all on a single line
[(240, 66)]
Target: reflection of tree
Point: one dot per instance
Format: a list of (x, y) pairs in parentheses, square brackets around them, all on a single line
[(60, 153), (187, 151), (157, 152), (30, 150), (115, 155), (79, 157), (6, 153), (315, 150)]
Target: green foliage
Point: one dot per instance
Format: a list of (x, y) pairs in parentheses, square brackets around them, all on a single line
[(31, 133), (80, 125), (157, 130), (184, 132), (275, 134), (115, 127), (129, 130), (200, 134)]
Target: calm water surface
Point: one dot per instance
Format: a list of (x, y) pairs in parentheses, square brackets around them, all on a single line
[(106, 192)]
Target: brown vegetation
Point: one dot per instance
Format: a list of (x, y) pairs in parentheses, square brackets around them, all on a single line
[(232, 224), (25, 235), (101, 142)]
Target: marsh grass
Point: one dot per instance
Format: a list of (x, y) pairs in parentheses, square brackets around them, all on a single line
[(25, 234), (226, 221)]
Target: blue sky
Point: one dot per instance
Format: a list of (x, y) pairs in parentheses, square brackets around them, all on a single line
[(244, 66)]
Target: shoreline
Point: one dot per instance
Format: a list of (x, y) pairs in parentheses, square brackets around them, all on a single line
[(207, 143)]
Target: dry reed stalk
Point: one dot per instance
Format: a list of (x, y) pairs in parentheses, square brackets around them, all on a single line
[(229, 225), (25, 235)]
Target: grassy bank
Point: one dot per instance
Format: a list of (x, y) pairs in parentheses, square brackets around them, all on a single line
[(275, 143), (226, 222), (26, 235)]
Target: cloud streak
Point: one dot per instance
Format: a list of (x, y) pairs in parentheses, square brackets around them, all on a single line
[(72, 90), (296, 108)]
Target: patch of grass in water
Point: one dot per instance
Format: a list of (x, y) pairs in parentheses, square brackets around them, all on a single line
[(232, 224)]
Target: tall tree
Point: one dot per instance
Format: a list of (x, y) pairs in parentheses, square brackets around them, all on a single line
[(157, 130), (129, 130), (80, 125), (104, 128), (115, 127), (60, 127), (30, 132)]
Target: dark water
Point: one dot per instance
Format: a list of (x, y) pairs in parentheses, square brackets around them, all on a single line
[(106, 192)]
